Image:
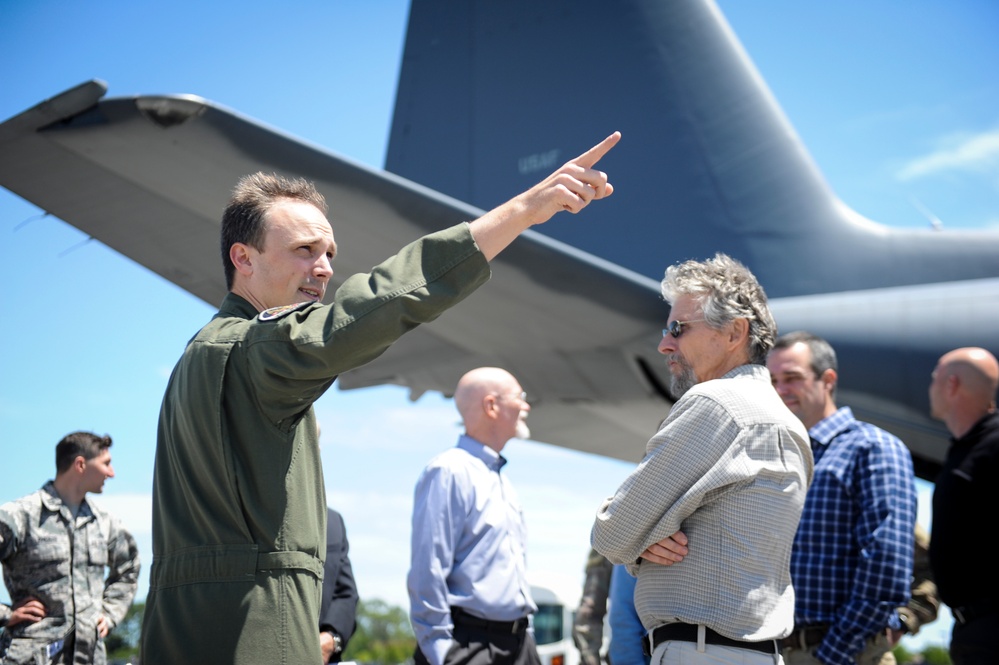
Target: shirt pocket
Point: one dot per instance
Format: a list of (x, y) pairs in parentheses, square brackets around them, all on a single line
[(97, 549)]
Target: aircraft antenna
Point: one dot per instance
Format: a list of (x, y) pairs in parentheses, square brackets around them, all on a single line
[(935, 223)]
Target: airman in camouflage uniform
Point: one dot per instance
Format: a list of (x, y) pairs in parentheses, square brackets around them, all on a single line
[(588, 625), (925, 602), (55, 547)]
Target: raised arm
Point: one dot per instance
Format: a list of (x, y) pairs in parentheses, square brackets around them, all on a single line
[(571, 188)]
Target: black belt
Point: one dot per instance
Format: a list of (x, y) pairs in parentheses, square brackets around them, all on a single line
[(805, 637), (968, 613), (687, 632), (463, 618)]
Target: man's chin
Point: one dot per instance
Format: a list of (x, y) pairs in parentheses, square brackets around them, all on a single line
[(523, 431)]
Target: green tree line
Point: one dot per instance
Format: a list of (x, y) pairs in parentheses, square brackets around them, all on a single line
[(383, 637)]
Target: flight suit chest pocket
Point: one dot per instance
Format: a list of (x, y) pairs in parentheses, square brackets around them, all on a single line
[(97, 547)]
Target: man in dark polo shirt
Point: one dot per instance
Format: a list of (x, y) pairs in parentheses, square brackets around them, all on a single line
[(963, 396)]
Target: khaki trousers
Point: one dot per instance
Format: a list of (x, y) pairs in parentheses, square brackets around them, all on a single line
[(876, 652)]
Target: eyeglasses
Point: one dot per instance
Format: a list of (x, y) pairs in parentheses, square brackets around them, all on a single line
[(521, 396), (676, 327)]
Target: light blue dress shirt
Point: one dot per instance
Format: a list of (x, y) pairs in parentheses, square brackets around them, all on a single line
[(627, 631), (468, 546)]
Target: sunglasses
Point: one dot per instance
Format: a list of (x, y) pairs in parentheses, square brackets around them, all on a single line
[(675, 328)]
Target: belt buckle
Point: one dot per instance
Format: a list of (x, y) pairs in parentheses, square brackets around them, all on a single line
[(649, 642)]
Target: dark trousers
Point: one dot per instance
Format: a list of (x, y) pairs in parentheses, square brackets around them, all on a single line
[(976, 642), (480, 646)]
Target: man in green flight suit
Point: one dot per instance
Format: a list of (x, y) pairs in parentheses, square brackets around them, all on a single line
[(239, 507)]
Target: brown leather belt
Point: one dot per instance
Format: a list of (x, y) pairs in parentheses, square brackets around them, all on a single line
[(687, 632), (805, 637)]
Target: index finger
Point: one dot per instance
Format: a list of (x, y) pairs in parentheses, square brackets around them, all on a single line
[(593, 155)]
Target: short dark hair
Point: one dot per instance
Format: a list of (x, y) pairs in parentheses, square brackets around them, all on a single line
[(253, 196), (74, 445), (823, 355)]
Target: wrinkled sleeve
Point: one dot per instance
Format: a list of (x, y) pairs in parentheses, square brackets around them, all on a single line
[(296, 356), (123, 575), (437, 524), (683, 468)]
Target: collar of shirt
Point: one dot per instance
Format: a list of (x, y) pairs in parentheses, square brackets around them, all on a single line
[(489, 457), (827, 429), (988, 422), (238, 306), (54, 503)]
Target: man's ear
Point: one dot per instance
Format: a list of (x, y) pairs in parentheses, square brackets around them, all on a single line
[(952, 384), (738, 333), (80, 464), (241, 256), (829, 378), (490, 406)]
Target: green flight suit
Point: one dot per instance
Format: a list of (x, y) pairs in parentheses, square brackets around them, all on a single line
[(239, 507)]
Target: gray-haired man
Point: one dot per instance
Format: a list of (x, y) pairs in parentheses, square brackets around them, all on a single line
[(729, 466)]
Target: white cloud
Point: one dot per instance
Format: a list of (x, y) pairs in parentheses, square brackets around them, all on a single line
[(134, 510), (966, 153)]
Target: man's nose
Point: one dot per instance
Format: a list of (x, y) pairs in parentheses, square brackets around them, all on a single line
[(667, 345), (324, 268)]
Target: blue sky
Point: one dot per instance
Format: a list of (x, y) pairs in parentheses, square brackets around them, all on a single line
[(898, 104)]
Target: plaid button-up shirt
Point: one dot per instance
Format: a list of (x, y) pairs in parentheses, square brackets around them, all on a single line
[(852, 557)]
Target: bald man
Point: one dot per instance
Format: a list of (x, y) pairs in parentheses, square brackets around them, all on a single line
[(468, 591), (963, 396)]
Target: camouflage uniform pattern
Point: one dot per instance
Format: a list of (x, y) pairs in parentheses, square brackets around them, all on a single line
[(61, 561), (925, 602), (588, 626)]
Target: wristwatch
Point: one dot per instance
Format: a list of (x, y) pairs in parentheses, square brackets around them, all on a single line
[(337, 643)]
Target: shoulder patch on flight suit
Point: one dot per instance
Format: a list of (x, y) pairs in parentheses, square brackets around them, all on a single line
[(275, 313)]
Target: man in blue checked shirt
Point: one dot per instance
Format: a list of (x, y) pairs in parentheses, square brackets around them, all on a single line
[(851, 562)]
